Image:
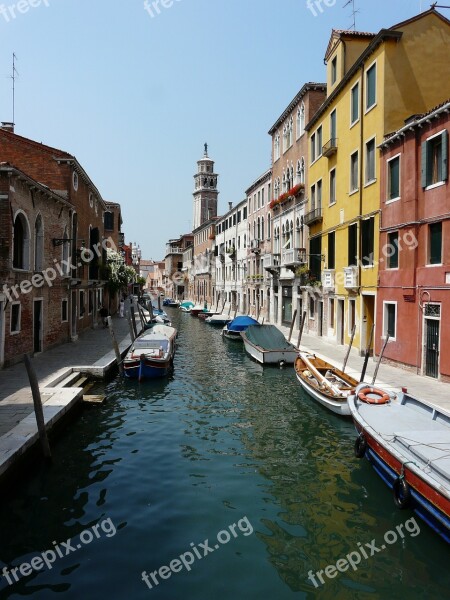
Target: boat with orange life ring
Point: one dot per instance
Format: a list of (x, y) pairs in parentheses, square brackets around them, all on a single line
[(372, 395)]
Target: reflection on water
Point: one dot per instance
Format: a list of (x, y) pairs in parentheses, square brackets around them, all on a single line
[(174, 462)]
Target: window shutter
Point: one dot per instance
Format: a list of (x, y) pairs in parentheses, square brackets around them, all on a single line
[(444, 155), (424, 164)]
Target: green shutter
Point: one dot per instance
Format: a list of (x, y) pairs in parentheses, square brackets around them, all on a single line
[(444, 155), (424, 164)]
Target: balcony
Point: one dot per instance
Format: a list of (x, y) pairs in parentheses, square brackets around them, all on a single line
[(351, 278), (313, 216), (328, 279), (293, 258), (330, 147), (173, 250), (254, 246), (271, 262)]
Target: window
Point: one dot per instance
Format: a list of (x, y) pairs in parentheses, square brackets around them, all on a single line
[(313, 197), (312, 307), (435, 244), (276, 147), (319, 141), (354, 172), (353, 244), (332, 250), (262, 196), (319, 194), (269, 226), (82, 305), (367, 241), (393, 178), (331, 313), (301, 170), (285, 138), (434, 159), (290, 132), (389, 319), (334, 70), (392, 250), (313, 147), (371, 86), (333, 186), (109, 221), (15, 317), (333, 125), (64, 310), (259, 198), (351, 315), (370, 160), (354, 109), (21, 259), (38, 244), (244, 210), (75, 181), (300, 120)]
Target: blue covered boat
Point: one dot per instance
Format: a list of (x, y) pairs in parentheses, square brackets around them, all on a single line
[(151, 354), (233, 330)]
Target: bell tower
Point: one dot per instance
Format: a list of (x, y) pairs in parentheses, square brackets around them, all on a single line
[(205, 191)]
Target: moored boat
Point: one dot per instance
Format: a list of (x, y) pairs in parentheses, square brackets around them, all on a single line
[(327, 384), (233, 329), (267, 345), (198, 308), (186, 306), (408, 443), (219, 320), (151, 354)]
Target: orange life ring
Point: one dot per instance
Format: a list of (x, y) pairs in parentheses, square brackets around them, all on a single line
[(383, 397)]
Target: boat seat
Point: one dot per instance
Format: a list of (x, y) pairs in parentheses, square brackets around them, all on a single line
[(429, 446)]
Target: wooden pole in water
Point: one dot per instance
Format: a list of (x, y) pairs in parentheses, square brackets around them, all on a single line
[(38, 407), (302, 323), (349, 348), (379, 358), (133, 320), (159, 301), (115, 346), (366, 357), (292, 325), (150, 310), (218, 298), (141, 317), (130, 325)]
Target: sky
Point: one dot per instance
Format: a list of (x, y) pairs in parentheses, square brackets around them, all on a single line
[(134, 93)]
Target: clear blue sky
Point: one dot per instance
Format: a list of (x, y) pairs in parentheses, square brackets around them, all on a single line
[(134, 98)]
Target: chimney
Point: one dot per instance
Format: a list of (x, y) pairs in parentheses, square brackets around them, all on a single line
[(230, 205), (7, 126)]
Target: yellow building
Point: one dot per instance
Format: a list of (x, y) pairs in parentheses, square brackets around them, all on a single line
[(374, 83)]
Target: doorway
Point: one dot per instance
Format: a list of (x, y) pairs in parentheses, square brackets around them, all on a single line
[(320, 318), (432, 347), (2, 332), (340, 322), (73, 318), (368, 319), (37, 326)]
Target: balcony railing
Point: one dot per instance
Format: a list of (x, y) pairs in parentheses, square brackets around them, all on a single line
[(330, 147), (271, 261), (293, 256), (313, 216), (174, 250), (351, 277), (328, 279)]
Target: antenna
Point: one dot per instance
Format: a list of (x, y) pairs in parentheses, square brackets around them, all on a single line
[(436, 5), (14, 75), (354, 11)]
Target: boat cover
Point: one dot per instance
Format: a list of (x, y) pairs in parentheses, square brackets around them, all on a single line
[(268, 337), (241, 323)]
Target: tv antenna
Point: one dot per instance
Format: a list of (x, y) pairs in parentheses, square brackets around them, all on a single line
[(436, 5), (14, 76), (354, 11)]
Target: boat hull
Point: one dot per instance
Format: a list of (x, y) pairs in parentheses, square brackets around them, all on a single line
[(143, 369), (232, 335), (269, 357), (429, 500), (338, 407)]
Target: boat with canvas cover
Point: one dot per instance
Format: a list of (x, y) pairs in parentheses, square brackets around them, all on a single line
[(267, 345), (151, 354), (407, 441), (327, 384), (233, 329)]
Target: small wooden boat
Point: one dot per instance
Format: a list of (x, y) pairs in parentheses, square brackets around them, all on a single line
[(198, 308), (218, 320), (267, 345), (232, 330), (151, 354), (407, 441), (323, 382)]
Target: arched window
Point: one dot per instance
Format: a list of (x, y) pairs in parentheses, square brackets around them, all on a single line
[(38, 244), (268, 227), (290, 132), (21, 249), (297, 233), (258, 230), (284, 181), (276, 147), (300, 120), (262, 228), (65, 253)]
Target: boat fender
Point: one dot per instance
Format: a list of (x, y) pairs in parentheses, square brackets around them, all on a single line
[(360, 446), (382, 397), (402, 493)]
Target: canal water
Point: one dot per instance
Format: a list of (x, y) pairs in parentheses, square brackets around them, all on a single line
[(227, 465)]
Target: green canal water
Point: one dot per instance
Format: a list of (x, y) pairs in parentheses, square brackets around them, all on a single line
[(222, 451)]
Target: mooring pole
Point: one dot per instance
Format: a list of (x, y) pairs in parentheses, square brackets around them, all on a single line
[(292, 325), (38, 407), (301, 329), (379, 358), (133, 320), (115, 346), (349, 348), (159, 301), (366, 357), (130, 325)]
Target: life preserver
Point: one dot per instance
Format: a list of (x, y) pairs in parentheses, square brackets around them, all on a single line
[(383, 397), (360, 446), (402, 493)]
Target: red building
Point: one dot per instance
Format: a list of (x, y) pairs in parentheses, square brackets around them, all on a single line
[(413, 303)]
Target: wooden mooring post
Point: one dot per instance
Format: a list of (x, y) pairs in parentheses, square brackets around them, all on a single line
[(366, 357), (39, 412), (349, 348), (379, 358), (115, 346), (301, 329), (133, 320), (130, 325), (292, 325)]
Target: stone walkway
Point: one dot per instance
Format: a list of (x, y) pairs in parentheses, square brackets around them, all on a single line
[(389, 377)]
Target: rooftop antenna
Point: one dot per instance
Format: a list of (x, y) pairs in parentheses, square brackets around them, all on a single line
[(14, 75), (354, 11), (436, 5)]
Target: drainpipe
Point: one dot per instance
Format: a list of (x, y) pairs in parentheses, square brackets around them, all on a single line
[(361, 183)]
